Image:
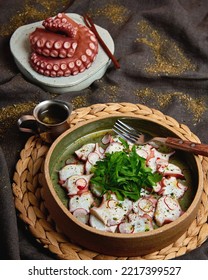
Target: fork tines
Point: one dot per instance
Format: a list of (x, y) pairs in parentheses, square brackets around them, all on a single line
[(125, 131)]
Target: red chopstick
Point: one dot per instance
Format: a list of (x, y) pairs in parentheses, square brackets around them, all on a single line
[(89, 23)]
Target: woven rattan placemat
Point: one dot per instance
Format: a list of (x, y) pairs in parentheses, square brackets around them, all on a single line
[(29, 178)]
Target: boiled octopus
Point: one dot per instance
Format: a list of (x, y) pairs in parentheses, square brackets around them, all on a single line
[(63, 48)]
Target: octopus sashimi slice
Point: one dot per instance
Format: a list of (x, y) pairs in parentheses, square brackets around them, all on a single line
[(168, 210), (171, 186), (111, 212)]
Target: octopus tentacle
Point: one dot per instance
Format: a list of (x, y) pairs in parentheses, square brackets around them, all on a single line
[(52, 44), (61, 23), (64, 48)]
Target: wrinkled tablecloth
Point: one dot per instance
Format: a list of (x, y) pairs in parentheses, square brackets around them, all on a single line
[(162, 47)]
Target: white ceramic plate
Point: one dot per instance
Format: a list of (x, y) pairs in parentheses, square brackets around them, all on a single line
[(20, 48)]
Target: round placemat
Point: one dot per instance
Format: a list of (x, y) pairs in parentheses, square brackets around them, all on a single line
[(28, 180)]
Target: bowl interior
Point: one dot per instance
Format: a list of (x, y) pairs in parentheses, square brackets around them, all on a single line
[(64, 147)]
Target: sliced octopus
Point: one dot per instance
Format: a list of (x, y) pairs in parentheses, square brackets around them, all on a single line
[(104, 211)]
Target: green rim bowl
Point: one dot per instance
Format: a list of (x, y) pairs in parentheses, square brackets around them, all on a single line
[(116, 244)]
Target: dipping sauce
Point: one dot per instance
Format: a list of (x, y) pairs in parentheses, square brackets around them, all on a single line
[(54, 114)]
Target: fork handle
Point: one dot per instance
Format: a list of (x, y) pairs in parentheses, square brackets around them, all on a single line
[(185, 145)]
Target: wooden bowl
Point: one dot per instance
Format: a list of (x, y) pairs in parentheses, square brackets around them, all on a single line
[(117, 244)]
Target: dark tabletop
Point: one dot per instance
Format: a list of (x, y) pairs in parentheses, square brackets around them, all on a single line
[(162, 47)]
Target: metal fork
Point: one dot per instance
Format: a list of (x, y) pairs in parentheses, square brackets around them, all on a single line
[(137, 137)]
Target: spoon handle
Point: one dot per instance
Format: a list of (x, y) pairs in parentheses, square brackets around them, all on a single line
[(196, 148)]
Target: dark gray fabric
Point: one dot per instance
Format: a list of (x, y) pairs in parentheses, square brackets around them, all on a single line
[(162, 47)]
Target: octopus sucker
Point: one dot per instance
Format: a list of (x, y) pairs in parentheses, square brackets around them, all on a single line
[(52, 74), (92, 46), (57, 45), (84, 58), (42, 65), (49, 44), (34, 40), (78, 63), (40, 43), (45, 52), (74, 46), (54, 53), (62, 54), (88, 52), (66, 45), (47, 73), (92, 38), (88, 65), (55, 67), (49, 66), (67, 73), (71, 65), (63, 48), (60, 73), (63, 66)]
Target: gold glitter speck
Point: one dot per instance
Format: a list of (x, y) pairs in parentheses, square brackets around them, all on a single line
[(10, 114), (32, 12), (168, 57), (79, 102), (196, 106), (114, 12), (110, 92)]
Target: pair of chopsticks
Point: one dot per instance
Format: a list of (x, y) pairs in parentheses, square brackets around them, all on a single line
[(89, 23)]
